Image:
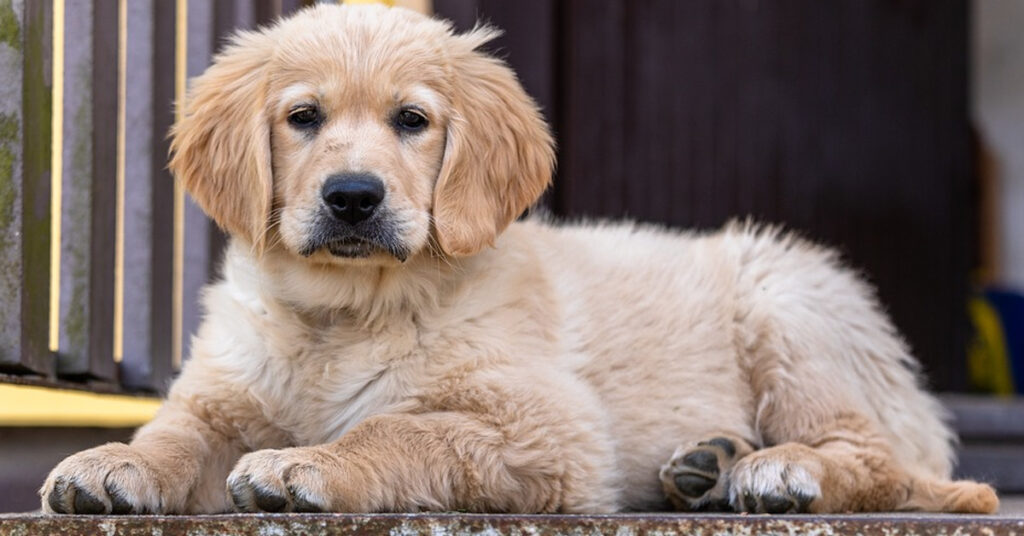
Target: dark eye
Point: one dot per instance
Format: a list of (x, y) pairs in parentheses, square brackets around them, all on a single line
[(305, 117), (411, 120)]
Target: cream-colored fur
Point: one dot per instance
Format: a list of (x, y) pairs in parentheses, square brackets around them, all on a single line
[(469, 362)]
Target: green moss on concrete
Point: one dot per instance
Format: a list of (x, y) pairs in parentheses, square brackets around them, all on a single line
[(8, 194), (81, 150), (9, 130), (77, 217), (9, 137), (9, 127), (10, 146), (73, 323), (10, 27), (36, 98)]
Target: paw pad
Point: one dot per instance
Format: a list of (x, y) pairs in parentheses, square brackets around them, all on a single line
[(696, 476), (702, 460)]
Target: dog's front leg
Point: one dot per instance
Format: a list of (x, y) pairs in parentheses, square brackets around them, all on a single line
[(175, 464), (531, 457)]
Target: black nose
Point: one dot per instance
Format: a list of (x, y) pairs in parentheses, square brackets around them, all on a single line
[(352, 197)]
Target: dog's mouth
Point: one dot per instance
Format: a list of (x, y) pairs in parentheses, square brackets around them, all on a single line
[(358, 243), (352, 248)]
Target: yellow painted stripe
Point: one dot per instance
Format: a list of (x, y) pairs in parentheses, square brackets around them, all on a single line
[(122, 64), (423, 6), (178, 255), (56, 171), (22, 405)]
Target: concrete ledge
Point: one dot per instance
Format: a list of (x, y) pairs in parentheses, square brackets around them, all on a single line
[(459, 524)]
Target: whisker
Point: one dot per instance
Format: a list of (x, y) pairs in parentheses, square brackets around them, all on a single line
[(435, 247)]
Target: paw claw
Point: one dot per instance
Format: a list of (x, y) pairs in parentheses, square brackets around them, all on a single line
[(303, 505), (774, 504), (55, 498), (87, 503), (238, 487), (118, 504), (749, 502), (803, 501), (268, 501)]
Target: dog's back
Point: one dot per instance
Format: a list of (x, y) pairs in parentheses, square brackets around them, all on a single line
[(746, 330)]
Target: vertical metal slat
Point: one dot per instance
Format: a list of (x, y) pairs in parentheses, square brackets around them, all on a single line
[(11, 174), (76, 184), (25, 65), (161, 278), (104, 189), (144, 365), (88, 190)]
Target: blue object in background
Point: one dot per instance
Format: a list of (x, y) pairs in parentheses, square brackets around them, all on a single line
[(1010, 306)]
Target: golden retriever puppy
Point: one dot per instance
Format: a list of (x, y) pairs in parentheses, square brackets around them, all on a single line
[(386, 339)]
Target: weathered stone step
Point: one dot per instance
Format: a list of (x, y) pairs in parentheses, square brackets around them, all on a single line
[(465, 524)]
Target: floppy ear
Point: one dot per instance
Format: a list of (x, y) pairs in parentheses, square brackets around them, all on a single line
[(221, 144), (498, 155)]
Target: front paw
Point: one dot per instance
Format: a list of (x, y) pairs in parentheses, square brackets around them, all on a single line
[(110, 479), (301, 479), (777, 480)]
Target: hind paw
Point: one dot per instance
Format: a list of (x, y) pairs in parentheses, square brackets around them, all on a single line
[(696, 478)]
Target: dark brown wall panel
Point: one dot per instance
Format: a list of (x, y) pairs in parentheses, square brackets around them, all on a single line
[(846, 121)]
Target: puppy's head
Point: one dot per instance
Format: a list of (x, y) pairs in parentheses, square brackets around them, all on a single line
[(356, 134)]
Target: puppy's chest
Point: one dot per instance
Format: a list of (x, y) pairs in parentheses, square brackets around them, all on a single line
[(334, 379), (342, 375), (321, 378)]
